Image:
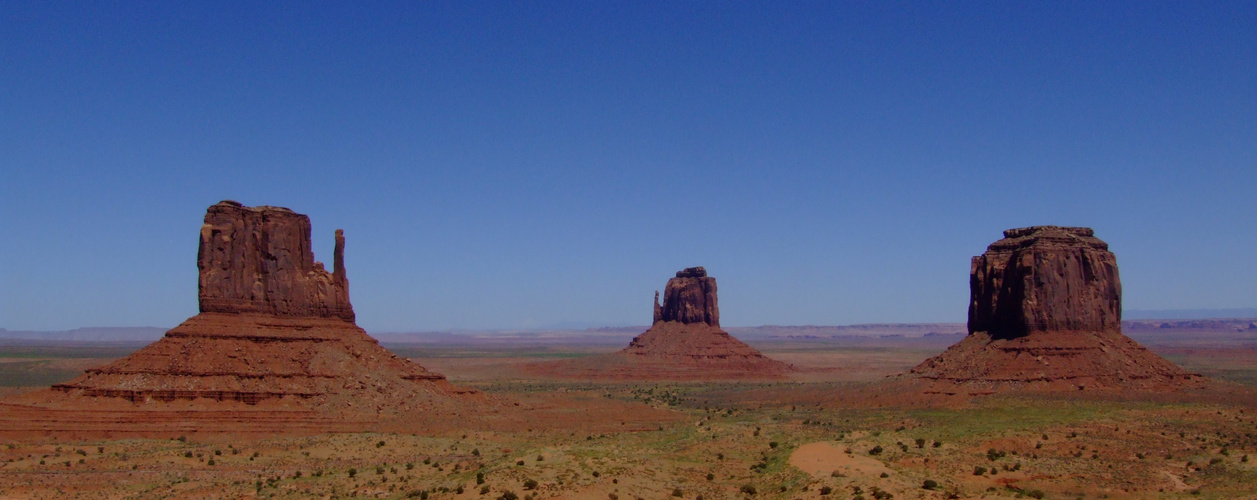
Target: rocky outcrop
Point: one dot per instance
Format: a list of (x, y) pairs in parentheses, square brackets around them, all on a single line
[(688, 298), (259, 260), (684, 343), (1045, 313), (1042, 279), (276, 330)]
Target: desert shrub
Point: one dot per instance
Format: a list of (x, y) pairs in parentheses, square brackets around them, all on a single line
[(676, 492), (772, 444), (825, 490), (353, 472), (613, 496), (876, 450), (540, 458), (993, 454), (884, 475), (484, 490), (979, 470), (720, 456), (379, 444), (508, 495), (476, 452), (920, 442), (480, 478), (1244, 459), (519, 462), (930, 484), (710, 476), (1035, 494), (748, 489), (530, 484), (187, 454), (211, 462), (938, 443)]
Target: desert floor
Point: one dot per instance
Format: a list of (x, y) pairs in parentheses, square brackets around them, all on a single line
[(802, 438)]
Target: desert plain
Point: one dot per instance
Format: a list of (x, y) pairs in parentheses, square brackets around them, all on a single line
[(819, 433)]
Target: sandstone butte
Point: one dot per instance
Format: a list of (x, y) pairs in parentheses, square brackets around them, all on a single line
[(685, 342), (274, 348), (1045, 312)]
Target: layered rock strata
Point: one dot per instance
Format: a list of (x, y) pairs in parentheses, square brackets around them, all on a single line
[(1045, 312)]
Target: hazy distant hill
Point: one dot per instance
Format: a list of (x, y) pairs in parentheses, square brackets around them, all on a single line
[(90, 334), (1188, 313), (621, 335)]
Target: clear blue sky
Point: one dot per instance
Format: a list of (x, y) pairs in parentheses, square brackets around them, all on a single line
[(529, 164)]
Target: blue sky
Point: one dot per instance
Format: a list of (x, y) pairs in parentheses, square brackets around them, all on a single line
[(534, 164)]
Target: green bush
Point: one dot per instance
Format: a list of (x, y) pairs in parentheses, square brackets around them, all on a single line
[(748, 489), (979, 470), (930, 484)]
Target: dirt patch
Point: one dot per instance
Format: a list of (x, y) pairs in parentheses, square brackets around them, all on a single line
[(824, 459)]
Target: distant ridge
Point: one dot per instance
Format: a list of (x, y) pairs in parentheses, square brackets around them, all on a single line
[(620, 334), (90, 334), (1188, 313)]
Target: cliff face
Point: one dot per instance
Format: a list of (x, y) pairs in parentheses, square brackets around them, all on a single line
[(690, 297), (1043, 279), (259, 260)]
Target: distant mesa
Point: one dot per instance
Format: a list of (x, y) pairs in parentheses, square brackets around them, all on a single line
[(276, 332), (684, 343), (1045, 308)]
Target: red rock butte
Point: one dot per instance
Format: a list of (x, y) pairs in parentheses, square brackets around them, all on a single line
[(684, 343), (274, 348), (1045, 313)]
